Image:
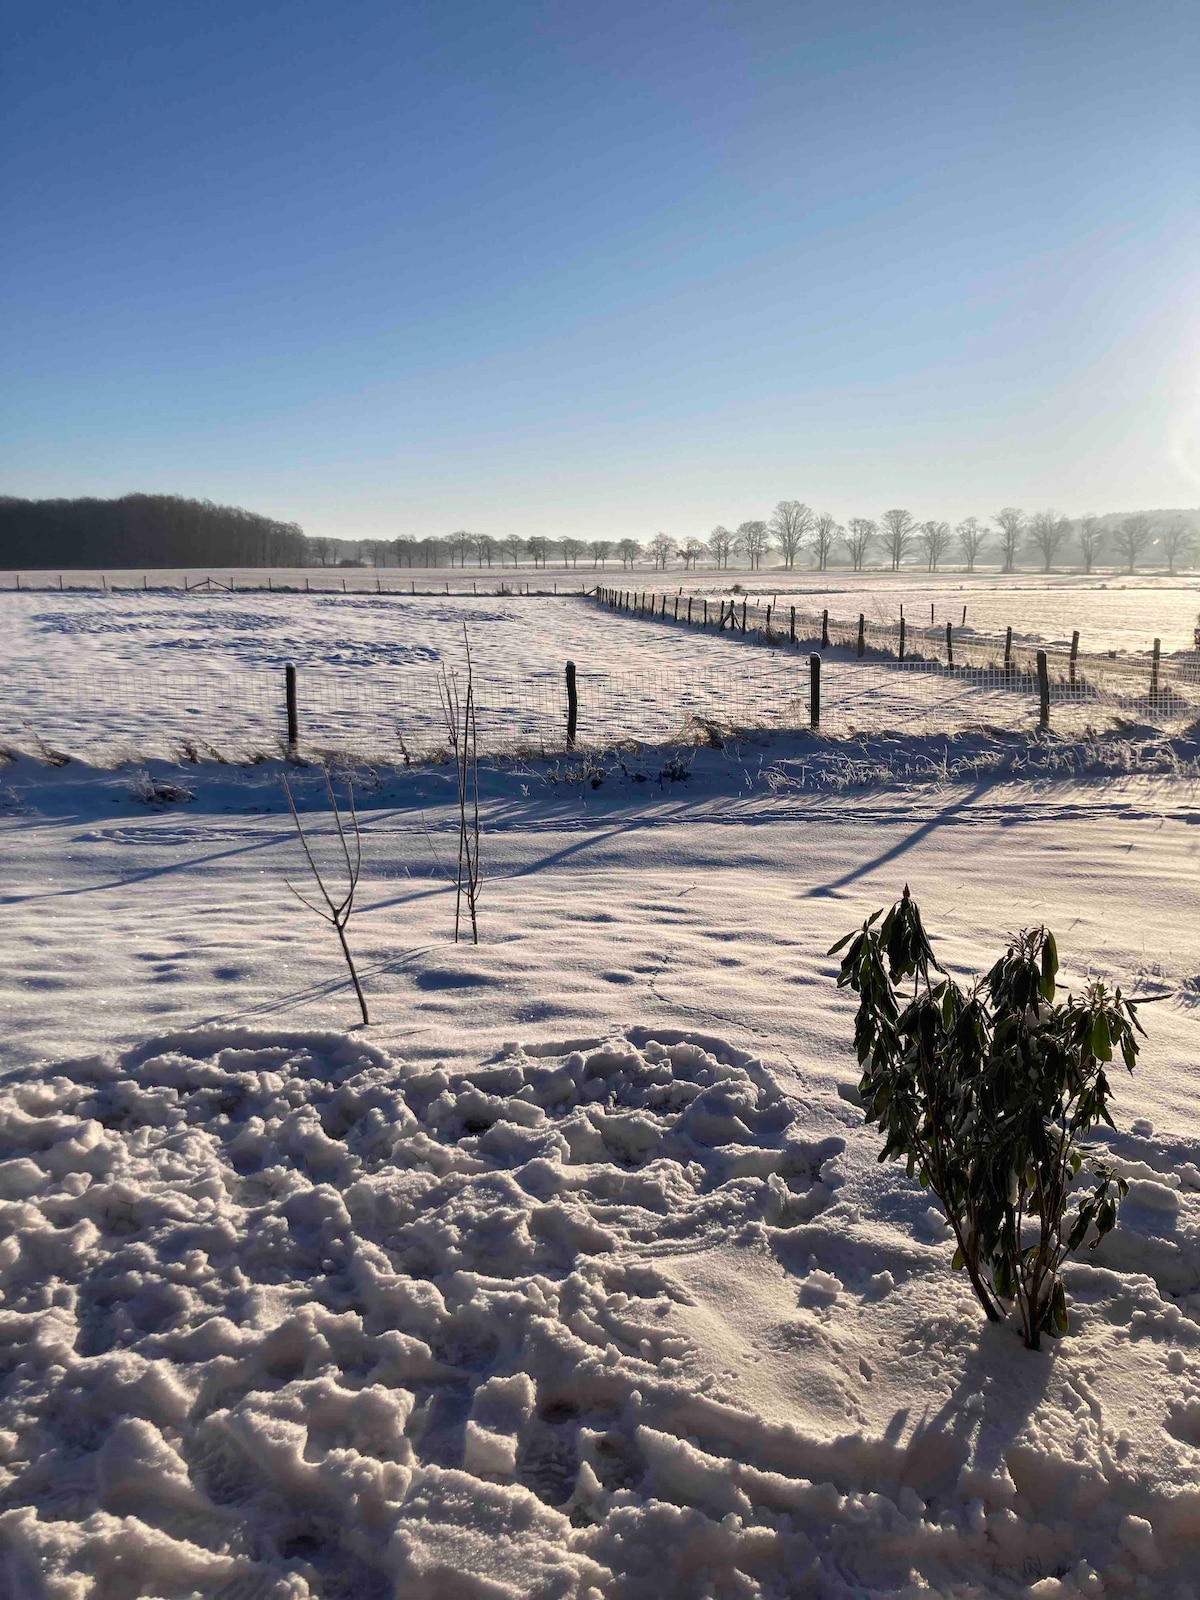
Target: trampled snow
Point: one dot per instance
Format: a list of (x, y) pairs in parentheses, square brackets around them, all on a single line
[(287, 1316)]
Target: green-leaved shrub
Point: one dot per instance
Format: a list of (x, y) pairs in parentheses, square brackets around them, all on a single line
[(986, 1094)]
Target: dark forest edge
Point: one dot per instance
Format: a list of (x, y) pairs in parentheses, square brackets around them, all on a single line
[(144, 530)]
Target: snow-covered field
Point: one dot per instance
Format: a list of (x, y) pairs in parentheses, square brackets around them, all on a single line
[(1112, 610), (106, 674), (573, 1274)]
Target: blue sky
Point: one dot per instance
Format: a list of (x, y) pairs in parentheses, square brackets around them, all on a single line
[(601, 267)]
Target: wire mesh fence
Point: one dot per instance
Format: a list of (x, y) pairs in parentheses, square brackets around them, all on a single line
[(870, 678), (984, 679)]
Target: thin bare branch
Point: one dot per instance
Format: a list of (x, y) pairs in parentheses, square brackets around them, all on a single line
[(339, 911)]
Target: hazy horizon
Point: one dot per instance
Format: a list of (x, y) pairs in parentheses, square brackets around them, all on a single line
[(541, 270)]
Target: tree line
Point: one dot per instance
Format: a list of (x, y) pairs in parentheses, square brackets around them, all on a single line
[(160, 530), (796, 534), (144, 530)]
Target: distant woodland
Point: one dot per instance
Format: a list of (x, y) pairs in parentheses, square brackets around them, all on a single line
[(143, 530)]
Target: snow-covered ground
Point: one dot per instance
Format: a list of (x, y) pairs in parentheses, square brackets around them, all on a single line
[(1111, 609), (573, 1274), (103, 674)]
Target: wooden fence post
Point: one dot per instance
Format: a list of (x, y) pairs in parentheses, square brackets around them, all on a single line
[(1074, 654), (768, 624), (689, 611), (964, 620), (814, 691), (792, 626), (949, 646), (1043, 678), (825, 629), (744, 603), (676, 608), (1007, 651), (706, 613), (902, 633), (572, 703), (293, 720), (1155, 658), (862, 643)]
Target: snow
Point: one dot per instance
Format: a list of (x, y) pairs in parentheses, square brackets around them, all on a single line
[(1112, 609), (628, 1318), (574, 1274), (115, 675)]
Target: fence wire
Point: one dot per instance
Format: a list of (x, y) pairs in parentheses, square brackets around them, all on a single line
[(397, 714), (956, 675)]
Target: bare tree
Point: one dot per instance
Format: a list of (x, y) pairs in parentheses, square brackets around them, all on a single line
[(335, 912), (512, 546), (720, 544), (323, 549), (970, 540), (825, 534), (662, 547), (539, 548), (1011, 523), (458, 709), (1090, 535), (692, 551), (572, 549), (859, 536), (934, 540), (898, 531), (1178, 541), (1132, 536), (600, 550), (789, 525), (753, 540), (1047, 530), (628, 550), (485, 549), (460, 544)]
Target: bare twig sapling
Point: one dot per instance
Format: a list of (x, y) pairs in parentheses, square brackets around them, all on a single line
[(458, 709), (336, 912)]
